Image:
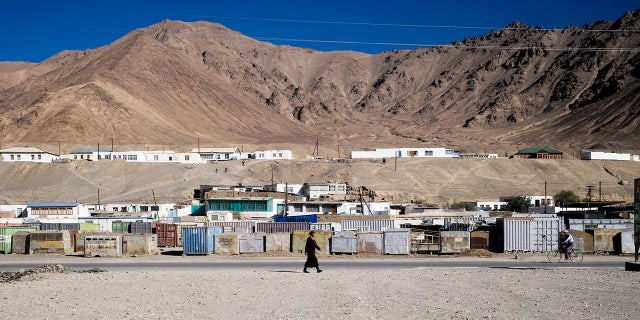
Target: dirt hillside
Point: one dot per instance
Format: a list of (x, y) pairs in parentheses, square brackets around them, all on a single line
[(438, 181)]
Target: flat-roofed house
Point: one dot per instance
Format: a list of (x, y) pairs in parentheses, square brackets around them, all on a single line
[(217, 154), (27, 154)]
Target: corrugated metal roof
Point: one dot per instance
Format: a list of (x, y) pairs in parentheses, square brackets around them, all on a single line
[(23, 150), (214, 150), (91, 150), (52, 204)]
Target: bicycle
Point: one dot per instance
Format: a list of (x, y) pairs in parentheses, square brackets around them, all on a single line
[(575, 255)]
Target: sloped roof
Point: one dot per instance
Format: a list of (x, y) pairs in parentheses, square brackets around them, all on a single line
[(534, 150), (23, 150), (52, 204)]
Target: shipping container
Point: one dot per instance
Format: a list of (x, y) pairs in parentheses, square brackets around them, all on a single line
[(271, 227), (102, 245), (397, 241), (454, 241), (479, 240), (623, 242), (367, 225), (517, 232), (462, 223), (584, 224), (544, 234), (89, 227), (199, 240), (344, 242), (140, 227), (277, 242), (251, 242), (20, 242), (582, 240), (326, 226), (58, 242), (167, 234), (239, 226), (299, 241), (311, 218), (603, 240), (120, 226), (6, 235), (370, 242), (137, 244), (228, 243), (59, 226)]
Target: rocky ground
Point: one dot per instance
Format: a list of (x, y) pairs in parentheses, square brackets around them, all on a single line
[(56, 292)]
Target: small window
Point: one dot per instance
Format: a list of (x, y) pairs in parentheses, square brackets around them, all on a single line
[(186, 158), (39, 157), (12, 157), (33, 157)]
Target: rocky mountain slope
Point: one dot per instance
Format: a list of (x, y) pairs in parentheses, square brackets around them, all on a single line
[(173, 82)]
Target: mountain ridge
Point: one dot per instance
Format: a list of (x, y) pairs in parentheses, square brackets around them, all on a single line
[(173, 82)]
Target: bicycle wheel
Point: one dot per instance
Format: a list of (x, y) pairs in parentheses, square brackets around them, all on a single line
[(554, 256), (576, 255)]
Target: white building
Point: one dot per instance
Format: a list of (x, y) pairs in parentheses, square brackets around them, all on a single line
[(301, 208), (291, 188), (535, 201), (491, 205), (27, 154), (405, 153), (597, 155), (217, 154), (273, 155), (68, 211), (317, 190)]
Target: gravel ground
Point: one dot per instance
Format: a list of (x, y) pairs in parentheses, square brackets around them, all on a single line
[(56, 292)]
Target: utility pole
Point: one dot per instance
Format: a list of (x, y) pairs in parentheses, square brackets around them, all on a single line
[(395, 161), (286, 198), (589, 193), (98, 199), (545, 197), (599, 190)]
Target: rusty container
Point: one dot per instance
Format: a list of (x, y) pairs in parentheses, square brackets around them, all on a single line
[(582, 240), (227, 243), (20, 242), (370, 242), (167, 234), (138, 244), (6, 235), (58, 242), (479, 240), (277, 242), (454, 241), (603, 241)]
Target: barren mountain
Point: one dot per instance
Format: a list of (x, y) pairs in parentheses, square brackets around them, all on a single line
[(173, 82)]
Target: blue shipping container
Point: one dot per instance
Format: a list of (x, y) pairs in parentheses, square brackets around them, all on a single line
[(312, 218), (199, 240)]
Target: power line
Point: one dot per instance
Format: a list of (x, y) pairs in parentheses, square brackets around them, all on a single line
[(424, 45)]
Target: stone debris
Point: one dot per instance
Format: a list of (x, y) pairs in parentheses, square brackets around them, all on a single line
[(8, 276)]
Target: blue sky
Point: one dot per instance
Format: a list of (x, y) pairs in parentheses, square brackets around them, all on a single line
[(35, 30)]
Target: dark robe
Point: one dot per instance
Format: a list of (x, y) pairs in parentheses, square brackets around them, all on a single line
[(310, 249)]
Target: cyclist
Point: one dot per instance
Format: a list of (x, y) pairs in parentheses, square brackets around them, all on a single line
[(566, 243)]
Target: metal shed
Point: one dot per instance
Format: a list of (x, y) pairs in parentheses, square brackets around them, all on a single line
[(370, 242), (344, 242), (397, 241), (251, 242)]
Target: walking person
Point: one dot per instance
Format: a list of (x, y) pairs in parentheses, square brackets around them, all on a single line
[(310, 251)]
